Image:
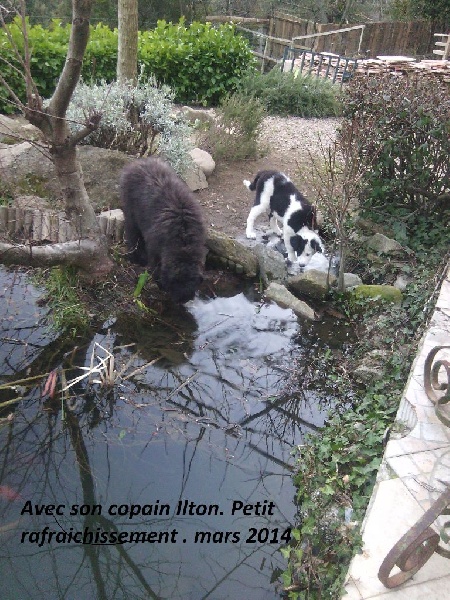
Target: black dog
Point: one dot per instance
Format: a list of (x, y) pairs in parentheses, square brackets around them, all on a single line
[(164, 227)]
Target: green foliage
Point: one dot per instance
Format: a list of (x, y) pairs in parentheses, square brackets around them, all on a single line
[(236, 131), (292, 94), (199, 62), (68, 314), (336, 469), (437, 11), (100, 58), (142, 280), (135, 119), (404, 122)]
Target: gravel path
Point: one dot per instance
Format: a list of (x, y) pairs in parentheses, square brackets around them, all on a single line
[(296, 134)]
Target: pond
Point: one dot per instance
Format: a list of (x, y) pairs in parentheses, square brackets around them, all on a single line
[(175, 481)]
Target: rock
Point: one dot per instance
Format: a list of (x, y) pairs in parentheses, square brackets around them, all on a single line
[(10, 157), (351, 280), (371, 367), (17, 130), (402, 282), (312, 283), (366, 374), (282, 296), (388, 293), (231, 249), (23, 166), (194, 114), (31, 203), (195, 178), (384, 245), (272, 265), (368, 227), (101, 172), (204, 160)]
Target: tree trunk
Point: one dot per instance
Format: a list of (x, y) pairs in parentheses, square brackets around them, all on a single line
[(78, 207), (128, 41), (51, 120)]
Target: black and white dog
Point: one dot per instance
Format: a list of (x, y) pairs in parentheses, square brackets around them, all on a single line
[(277, 195)]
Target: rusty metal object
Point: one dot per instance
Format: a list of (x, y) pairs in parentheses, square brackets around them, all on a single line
[(413, 550), (438, 392)]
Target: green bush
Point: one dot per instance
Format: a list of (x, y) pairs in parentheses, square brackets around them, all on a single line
[(48, 53), (200, 63), (404, 126), (292, 93)]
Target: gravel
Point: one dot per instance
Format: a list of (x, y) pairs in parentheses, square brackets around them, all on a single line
[(303, 136)]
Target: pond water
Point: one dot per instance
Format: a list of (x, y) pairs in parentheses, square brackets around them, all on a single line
[(173, 483)]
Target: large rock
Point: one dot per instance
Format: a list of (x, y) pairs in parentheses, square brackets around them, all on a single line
[(272, 265), (351, 280), (371, 367), (384, 245), (198, 115), (231, 249), (204, 160), (195, 178), (311, 283), (29, 171), (17, 130), (282, 296)]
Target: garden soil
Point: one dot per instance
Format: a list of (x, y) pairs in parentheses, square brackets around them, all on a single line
[(288, 144)]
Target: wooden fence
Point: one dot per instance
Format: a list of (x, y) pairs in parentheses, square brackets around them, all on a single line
[(357, 41)]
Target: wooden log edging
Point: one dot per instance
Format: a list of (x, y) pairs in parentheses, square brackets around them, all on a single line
[(32, 225)]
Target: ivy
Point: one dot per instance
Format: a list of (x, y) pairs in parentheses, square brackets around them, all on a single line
[(336, 468)]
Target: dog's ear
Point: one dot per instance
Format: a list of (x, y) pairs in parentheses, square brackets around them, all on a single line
[(298, 244), (316, 246), (309, 216)]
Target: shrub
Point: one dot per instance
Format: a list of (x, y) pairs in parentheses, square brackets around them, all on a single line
[(405, 123), (238, 126), (200, 63), (135, 119), (292, 93), (48, 53)]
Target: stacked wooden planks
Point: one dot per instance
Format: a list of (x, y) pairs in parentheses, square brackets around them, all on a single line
[(403, 64)]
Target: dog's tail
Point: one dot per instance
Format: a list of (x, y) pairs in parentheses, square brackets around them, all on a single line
[(252, 186)]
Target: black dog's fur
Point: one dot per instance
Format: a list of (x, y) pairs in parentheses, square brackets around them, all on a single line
[(164, 227)]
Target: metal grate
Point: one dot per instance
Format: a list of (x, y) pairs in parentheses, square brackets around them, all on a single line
[(322, 64)]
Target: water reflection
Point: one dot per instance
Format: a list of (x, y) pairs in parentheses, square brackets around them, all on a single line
[(209, 423)]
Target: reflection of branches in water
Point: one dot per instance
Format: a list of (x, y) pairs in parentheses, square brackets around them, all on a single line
[(87, 484), (209, 560), (23, 334), (37, 437)]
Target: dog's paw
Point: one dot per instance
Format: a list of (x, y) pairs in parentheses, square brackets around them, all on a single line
[(247, 183), (251, 235)]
